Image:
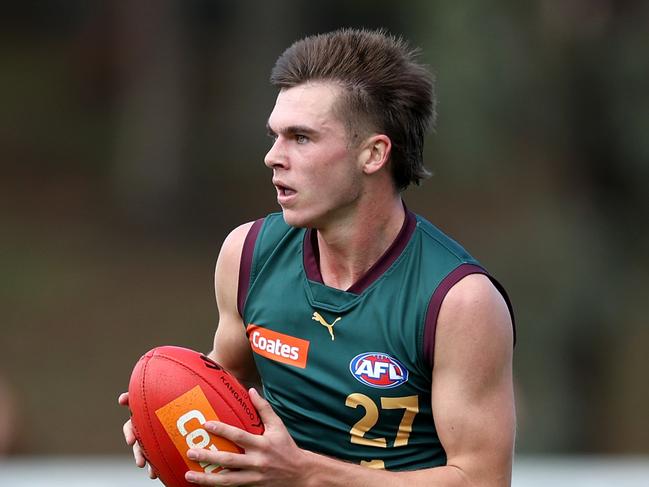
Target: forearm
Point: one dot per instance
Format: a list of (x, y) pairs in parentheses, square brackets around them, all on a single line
[(328, 472)]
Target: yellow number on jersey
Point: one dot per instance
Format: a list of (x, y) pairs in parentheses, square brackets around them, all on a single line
[(376, 464), (410, 405), (366, 423)]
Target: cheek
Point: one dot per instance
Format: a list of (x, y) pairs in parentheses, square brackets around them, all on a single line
[(338, 164), (342, 183), (332, 171)]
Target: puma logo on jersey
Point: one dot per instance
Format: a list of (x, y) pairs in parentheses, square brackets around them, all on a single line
[(330, 327)]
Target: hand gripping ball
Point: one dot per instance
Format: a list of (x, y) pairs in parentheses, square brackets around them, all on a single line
[(173, 391)]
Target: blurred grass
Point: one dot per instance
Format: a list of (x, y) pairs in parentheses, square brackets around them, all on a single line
[(82, 300)]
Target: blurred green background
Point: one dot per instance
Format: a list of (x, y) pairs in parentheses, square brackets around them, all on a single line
[(133, 136)]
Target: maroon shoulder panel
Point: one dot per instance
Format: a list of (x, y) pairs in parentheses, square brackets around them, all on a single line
[(435, 304), (245, 266), (440, 293)]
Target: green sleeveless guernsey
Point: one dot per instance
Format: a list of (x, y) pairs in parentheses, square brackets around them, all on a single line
[(349, 372)]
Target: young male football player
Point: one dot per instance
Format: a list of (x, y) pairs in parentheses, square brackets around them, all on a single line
[(384, 349)]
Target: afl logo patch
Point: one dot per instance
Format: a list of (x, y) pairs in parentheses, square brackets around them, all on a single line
[(378, 370)]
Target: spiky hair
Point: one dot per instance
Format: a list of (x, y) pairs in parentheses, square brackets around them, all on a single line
[(385, 89)]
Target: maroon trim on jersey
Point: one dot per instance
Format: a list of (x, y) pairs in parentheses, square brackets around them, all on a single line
[(245, 266), (312, 255), (389, 256), (435, 304), (440, 293)]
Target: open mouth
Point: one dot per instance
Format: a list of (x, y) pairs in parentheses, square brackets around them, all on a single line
[(285, 191)]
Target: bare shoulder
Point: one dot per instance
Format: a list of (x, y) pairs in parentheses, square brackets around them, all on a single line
[(474, 302), (474, 324), (226, 274), (233, 244)]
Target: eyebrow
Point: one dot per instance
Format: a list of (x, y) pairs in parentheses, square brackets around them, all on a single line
[(292, 130)]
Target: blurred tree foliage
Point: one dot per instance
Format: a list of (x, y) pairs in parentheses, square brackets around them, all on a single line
[(132, 136)]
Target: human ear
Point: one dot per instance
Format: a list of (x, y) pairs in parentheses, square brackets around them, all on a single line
[(376, 153)]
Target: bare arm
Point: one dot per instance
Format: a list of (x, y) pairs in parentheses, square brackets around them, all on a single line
[(231, 348), (473, 404), (473, 397)]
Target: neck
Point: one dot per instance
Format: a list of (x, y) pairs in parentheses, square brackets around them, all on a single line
[(350, 248)]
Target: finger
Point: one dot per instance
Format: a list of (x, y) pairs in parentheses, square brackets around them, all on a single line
[(129, 434), (236, 435), (122, 400), (138, 455), (152, 474), (266, 413), (221, 458), (224, 477)]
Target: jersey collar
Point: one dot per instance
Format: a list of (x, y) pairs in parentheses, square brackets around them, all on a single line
[(311, 255)]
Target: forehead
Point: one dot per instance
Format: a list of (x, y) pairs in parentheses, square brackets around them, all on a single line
[(310, 104)]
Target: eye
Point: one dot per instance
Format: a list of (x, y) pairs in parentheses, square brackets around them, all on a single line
[(301, 139)]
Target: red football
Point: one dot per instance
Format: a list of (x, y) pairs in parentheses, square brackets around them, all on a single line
[(173, 391)]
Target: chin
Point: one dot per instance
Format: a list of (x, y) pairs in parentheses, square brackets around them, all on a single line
[(296, 219)]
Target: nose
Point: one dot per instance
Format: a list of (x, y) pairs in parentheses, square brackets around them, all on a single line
[(275, 157)]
